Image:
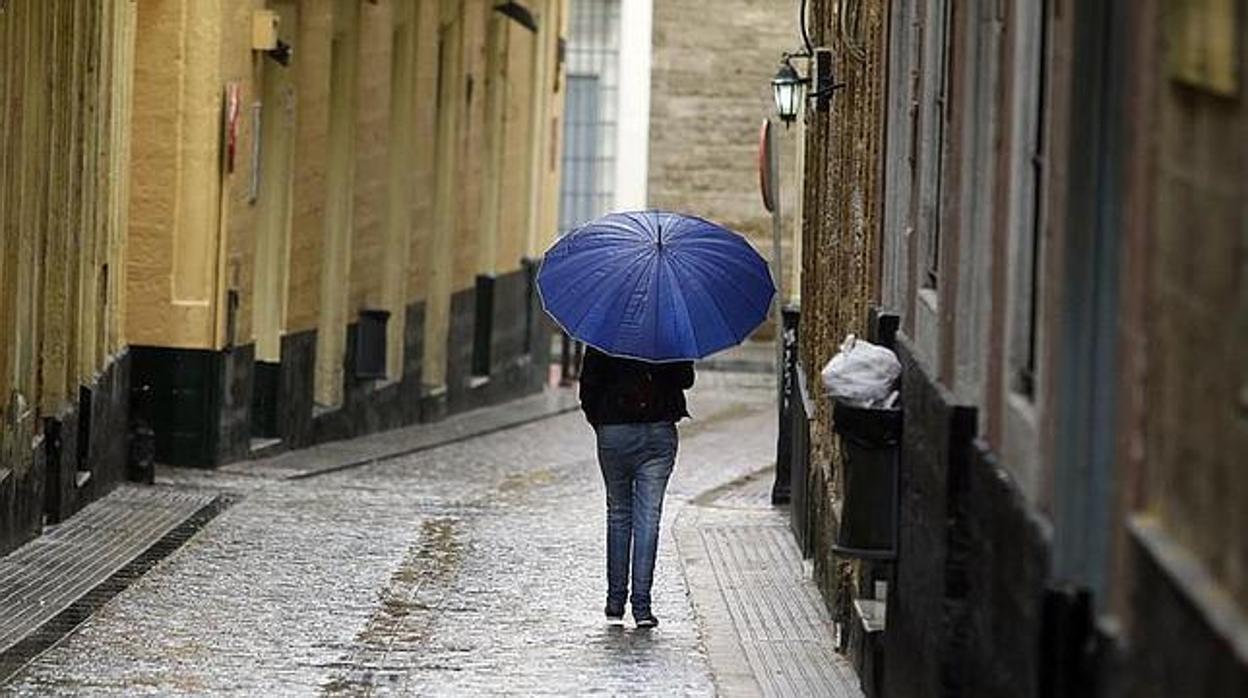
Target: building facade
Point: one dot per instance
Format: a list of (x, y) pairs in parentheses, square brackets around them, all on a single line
[(607, 112), (65, 85), (1040, 207), (352, 257), (265, 224)]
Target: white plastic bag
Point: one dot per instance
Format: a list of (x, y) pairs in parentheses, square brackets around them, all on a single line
[(861, 374)]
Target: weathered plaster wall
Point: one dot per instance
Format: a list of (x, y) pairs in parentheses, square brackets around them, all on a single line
[(1198, 394), (176, 209), (202, 236), (65, 80), (243, 67), (424, 135), (372, 153), (547, 126), (311, 65), (515, 202)]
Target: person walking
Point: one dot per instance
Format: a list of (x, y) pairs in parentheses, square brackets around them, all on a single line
[(634, 407), (662, 289)]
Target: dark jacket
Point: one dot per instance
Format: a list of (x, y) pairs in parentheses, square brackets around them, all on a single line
[(626, 391)]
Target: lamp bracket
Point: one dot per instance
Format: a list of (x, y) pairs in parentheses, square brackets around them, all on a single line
[(825, 83), (519, 13)]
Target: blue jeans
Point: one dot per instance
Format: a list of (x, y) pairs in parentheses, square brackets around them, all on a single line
[(636, 462)]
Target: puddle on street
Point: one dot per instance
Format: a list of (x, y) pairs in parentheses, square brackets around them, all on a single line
[(517, 482), (406, 611), (737, 410)]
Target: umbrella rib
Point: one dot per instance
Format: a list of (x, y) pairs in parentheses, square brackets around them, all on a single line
[(725, 259), (729, 279), (625, 297), (587, 270), (722, 316), (626, 273), (678, 294)]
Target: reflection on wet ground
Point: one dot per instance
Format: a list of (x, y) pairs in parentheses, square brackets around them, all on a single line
[(473, 568)]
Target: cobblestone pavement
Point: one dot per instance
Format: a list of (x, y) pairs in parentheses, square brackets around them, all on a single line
[(469, 569)]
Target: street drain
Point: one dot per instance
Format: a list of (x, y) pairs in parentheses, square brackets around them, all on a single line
[(60, 626)]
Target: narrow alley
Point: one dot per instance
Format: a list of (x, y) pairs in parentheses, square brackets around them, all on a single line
[(342, 344), (469, 568)]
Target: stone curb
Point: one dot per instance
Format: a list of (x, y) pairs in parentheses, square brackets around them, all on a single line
[(360, 451)]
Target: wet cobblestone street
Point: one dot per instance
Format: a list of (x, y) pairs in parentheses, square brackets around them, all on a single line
[(475, 568)]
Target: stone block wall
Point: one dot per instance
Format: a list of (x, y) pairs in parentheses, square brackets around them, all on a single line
[(710, 91)]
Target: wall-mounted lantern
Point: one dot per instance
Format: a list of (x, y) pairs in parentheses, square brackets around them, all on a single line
[(789, 87)]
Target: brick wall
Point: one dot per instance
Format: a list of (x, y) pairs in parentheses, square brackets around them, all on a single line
[(841, 228), (841, 190)]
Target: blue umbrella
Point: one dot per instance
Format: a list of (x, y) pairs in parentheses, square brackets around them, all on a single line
[(655, 286)]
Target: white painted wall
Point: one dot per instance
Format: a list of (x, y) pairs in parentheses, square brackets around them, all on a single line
[(633, 132)]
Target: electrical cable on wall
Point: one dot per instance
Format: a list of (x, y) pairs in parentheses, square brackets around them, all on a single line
[(849, 28)]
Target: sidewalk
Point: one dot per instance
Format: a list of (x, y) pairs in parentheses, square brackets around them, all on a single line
[(52, 584), (372, 448), (767, 629)]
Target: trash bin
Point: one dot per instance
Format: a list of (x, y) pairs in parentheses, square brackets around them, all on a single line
[(871, 450)]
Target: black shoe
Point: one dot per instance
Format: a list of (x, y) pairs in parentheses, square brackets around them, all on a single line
[(645, 619), (615, 614)]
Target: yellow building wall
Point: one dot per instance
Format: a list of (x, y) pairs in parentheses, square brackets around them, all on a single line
[(274, 188), (401, 155), (241, 66), (119, 224), (424, 134), (438, 258), (336, 250), (372, 148), (177, 223), (471, 142), (194, 228), (476, 173), (515, 201), (496, 77), (549, 129), (311, 66), (64, 144)]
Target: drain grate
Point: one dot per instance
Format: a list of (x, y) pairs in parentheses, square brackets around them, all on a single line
[(47, 633)]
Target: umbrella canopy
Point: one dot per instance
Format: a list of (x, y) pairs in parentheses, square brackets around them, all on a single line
[(655, 286)]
